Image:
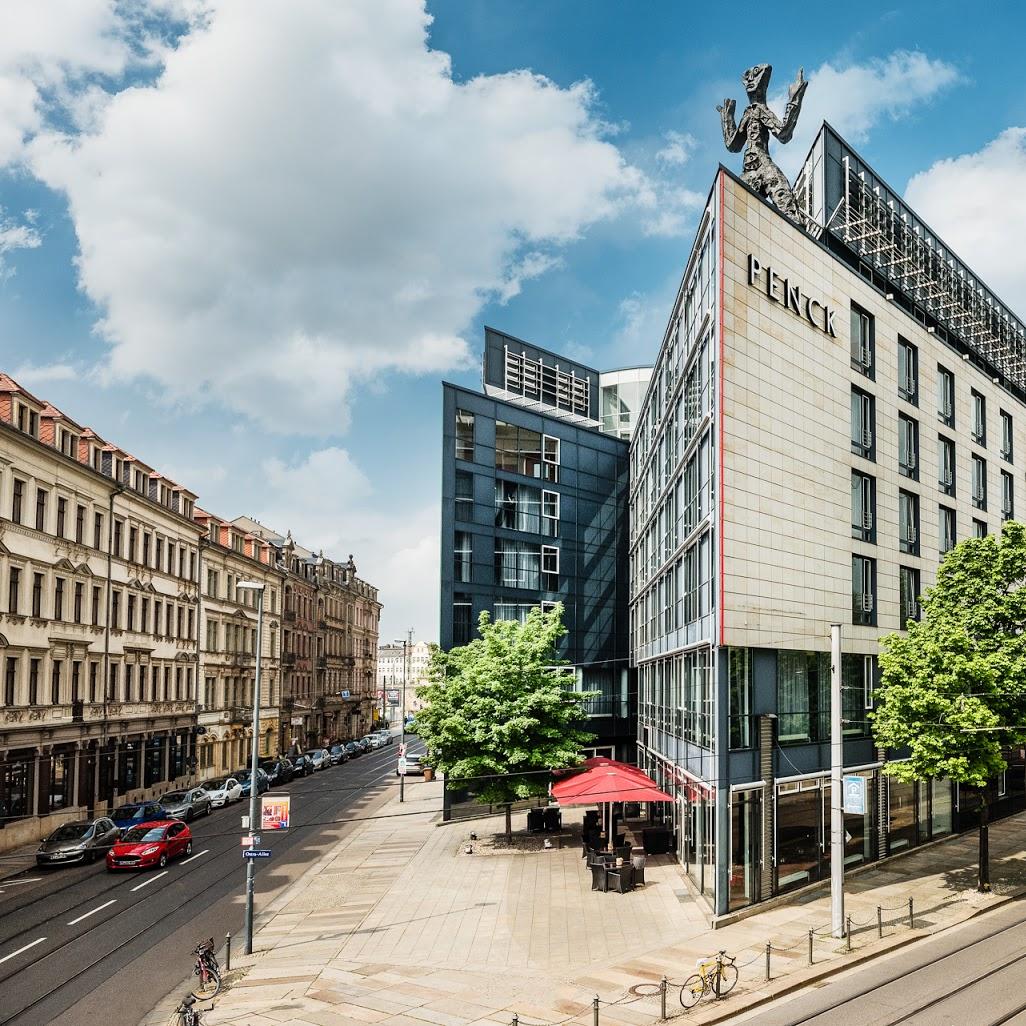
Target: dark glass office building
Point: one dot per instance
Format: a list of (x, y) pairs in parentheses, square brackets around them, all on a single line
[(534, 512)]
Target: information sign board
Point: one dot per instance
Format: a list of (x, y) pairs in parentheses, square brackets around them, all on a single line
[(275, 811), (855, 795)]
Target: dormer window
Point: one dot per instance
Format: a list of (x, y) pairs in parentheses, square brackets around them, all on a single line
[(28, 420)]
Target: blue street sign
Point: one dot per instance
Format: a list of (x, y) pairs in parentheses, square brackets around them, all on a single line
[(855, 795), (256, 853)]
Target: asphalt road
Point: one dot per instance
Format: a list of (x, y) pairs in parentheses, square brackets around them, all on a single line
[(972, 975), (80, 945)]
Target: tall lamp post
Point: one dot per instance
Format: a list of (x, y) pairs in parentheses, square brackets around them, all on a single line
[(406, 642), (254, 756)]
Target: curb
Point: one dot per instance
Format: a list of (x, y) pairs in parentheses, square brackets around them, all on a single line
[(810, 975)]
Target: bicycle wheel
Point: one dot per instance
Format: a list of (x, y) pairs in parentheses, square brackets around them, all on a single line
[(692, 991), (209, 985), (728, 978)]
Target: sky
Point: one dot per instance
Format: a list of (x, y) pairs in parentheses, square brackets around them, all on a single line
[(246, 240)]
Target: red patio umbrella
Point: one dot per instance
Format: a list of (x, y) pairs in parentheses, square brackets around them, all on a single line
[(608, 783)]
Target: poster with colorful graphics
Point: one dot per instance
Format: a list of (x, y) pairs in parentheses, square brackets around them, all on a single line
[(274, 811)]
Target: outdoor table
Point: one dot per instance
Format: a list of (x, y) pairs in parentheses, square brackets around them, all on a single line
[(620, 878)]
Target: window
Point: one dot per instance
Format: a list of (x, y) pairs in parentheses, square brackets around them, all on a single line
[(979, 482), (58, 598), (550, 457), (909, 588), (12, 589), (908, 447), (979, 528), (1006, 436), (464, 435), (863, 591), (130, 613), (518, 450), (76, 613), (908, 522), (862, 341), (908, 371), (62, 516), (464, 499), (979, 418), (146, 549), (550, 514), (17, 501), (40, 509), (863, 507), (946, 396), (115, 609), (862, 419), (948, 537), (803, 696), (37, 595), (461, 619), (462, 557), (97, 530), (517, 564), (1007, 496), (80, 525), (10, 679), (96, 606), (118, 529), (946, 465), (55, 682), (158, 554), (517, 507), (34, 682), (739, 670), (550, 567)]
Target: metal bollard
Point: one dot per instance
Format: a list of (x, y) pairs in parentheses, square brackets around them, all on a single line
[(516, 1019), (769, 948), (911, 916), (811, 935), (847, 931), (228, 952), (879, 921), (662, 998), (594, 1011)]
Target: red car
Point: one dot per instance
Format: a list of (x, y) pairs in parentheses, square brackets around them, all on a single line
[(152, 844)]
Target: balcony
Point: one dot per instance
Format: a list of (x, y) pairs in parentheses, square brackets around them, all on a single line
[(322, 662), (242, 659), (288, 659), (236, 714), (289, 616)]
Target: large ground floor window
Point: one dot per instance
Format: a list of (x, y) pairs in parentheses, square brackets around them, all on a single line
[(745, 847)]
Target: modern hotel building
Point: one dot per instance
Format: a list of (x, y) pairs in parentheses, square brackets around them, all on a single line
[(832, 408), (534, 512)]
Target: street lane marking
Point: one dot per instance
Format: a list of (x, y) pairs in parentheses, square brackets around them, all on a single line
[(94, 911), (146, 883), (205, 851), (20, 950), (14, 883)]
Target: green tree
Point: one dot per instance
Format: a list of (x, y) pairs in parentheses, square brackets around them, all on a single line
[(954, 687), (498, 711)]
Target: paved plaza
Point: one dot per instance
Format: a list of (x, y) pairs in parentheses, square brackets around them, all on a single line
[(397, 925)]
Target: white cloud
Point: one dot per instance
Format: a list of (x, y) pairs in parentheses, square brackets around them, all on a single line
[(37, 375), (977, 203), (15, 236), (305, 199), (395, 544), (855, 97), (678, 149)]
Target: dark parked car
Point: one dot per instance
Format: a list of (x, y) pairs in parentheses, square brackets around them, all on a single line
[(302, 766), (78, 842), (135, 813), (353, 749), (364, 743), (150, 845), (187, 805), (263, 784), (338, 754), (279, 771)]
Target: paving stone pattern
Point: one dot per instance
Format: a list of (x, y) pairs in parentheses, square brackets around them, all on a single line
[(396, 925)]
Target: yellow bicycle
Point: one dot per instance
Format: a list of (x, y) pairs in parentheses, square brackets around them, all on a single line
[(716, 974)]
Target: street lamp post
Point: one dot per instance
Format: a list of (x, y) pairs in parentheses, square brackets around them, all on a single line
[(406, 642), (254, 757)]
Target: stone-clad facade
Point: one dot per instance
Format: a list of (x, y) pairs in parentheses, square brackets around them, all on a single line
[(816, 436)]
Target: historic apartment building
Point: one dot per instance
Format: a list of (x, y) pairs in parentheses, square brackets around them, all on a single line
[(99, 563), (228, 646), (832, 408), (400, 667), (534, 512), (127, 647), (330, 628)]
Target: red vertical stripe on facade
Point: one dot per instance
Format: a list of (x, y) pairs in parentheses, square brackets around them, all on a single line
[(719, 432)]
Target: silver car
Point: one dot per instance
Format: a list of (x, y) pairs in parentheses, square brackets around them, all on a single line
[(81, 841), (187, 805)]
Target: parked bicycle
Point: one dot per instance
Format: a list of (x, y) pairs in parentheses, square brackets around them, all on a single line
[(717, 975), (186, 1014), (208, 971)]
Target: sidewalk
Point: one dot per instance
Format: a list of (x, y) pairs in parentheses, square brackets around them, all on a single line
[(397, 926)]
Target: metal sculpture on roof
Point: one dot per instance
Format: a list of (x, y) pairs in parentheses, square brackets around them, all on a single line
[(753, 133)]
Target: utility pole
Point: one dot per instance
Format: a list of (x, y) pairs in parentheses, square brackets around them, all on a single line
[(836, 787), (407, 644), (254, 819)]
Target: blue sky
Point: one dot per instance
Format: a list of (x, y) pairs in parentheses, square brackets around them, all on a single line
[(247, 243)]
